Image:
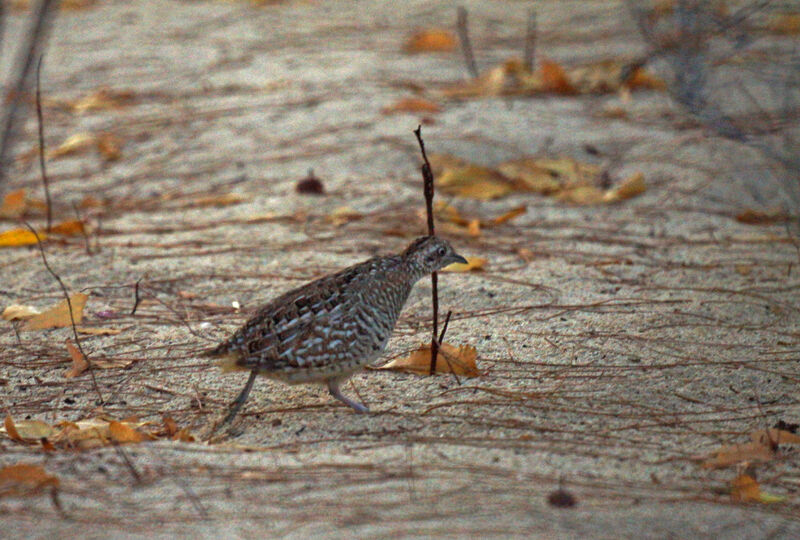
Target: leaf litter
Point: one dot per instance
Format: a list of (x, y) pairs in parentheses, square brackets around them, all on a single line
[(460, 360)]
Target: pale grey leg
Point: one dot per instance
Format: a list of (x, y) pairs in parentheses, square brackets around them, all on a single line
[(239, 401), (333, 388)]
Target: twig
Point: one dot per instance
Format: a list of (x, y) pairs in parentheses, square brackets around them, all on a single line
[(530, 41), (41, 144), (441, 340), (36, 35), (69, 306), (136, 298), (86, 240), (137, 478), (427, 183), (466, 46)]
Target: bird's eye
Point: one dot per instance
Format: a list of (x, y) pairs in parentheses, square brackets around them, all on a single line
[(441, 251)]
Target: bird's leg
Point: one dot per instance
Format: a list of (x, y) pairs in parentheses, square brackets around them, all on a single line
[(239, 401), (333, 388)]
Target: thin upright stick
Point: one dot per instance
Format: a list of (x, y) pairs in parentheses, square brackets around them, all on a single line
[(427, 179), (41, 145), (466, 46)]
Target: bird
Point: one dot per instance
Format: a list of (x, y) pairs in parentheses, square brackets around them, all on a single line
[(328, 329)]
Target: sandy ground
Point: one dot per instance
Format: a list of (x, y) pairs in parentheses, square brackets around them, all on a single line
[(619, 345)]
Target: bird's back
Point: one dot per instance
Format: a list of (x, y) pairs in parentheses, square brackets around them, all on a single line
[(333, 325)]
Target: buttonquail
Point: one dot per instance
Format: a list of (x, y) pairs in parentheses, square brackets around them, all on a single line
[(330, 328)]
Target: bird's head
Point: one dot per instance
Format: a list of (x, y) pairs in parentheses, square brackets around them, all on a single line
[(430, 253)]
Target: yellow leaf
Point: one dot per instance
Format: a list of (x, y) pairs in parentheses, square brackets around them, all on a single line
[(739, 453), (13, 204), (124, 433), (74, 144), (474, 227), (745, 488), (508, 216), (19, 237), (441, 162), (344, 214), (475, 182), (569, 172), (23, 479), (27, 430), (17, 312), (105, 331), (412, 105), (530, 176), (473, 263), (79, 362), (68, 228), (460, 360), (581, 195), (631, 187), (430, 40), (103, 98), (58, 315), (226, 199)]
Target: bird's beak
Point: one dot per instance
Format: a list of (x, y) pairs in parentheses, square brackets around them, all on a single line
[(456, 258)]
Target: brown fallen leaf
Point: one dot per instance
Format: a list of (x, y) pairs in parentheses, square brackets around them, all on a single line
[(630, 187), (13, 205), (58, 316), (745, 488), (124, 433), (773, 436), (508, 216), (581, 195), (474, 181), (74, 144), (11, 429), (79, 362), (411, 105), (460, 360), (430, 40), (744, 269), (68, 228), (19, 237), (786, 23), (17, 312), (529, 175), (733, 454), (473, 263), (109, 146), (761, 217), (554, 78), (23, 479), (226, 199)]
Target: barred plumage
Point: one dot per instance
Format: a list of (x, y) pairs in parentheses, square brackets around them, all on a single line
[(326, 330)]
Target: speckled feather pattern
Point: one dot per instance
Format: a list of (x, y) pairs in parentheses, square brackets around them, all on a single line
[(330, 327)]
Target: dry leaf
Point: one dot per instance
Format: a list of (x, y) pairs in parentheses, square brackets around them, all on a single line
[(473, 263), (441, 162), (342, 215), (745, 488), (218, 200), (19, 237), (124, 433), (582, 195), (508, 216), (412, 105), (631, 187), (24, 479), (460, 360), (744, 269), (58, 316), (105, 331), (13, 204), (79, 362), (786, 23), (774, 437), (760, 217), (17, 312), (738, 453), (430, 40), (642, 79), (109, 146), (27, 430), (103, 98), (68, 228), (74, 144), (530, 176), (474, 181), (554, 79)]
